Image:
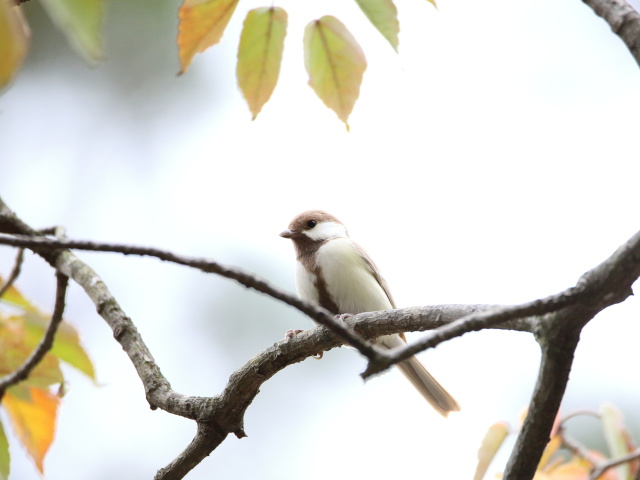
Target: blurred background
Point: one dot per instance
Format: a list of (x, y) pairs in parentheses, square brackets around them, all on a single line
[(494, 160)]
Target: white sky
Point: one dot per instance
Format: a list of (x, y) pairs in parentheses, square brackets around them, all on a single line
[(494, 160)]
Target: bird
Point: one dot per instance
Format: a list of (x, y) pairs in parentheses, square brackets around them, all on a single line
[(334, 272)]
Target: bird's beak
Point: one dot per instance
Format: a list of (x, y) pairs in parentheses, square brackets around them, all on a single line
[(287, 234)]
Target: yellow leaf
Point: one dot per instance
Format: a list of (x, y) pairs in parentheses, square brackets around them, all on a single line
[(260, 55), (384, 16), (335, 64), (202, 23), (4, 455), (491, 442), (33, 421), (81, 23), (549, 451), (14, 40), (433, 2)]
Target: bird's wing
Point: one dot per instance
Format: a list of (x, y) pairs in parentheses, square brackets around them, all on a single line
[(371, 266)]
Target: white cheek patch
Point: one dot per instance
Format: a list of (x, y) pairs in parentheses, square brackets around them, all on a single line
[(326, 231)]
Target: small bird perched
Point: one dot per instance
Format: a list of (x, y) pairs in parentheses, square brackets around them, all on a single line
[(337, 274)]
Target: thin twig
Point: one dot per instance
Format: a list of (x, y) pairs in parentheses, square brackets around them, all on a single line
[(319, 314), (46, 342), (15, 272), (603, 467)]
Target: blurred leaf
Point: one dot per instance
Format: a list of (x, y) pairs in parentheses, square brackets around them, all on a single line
[(66, 345), (14, 297), (384, 16), (14, 40), (549, 451), (260, 55), (14, 350), (202, 23), (491, 442), (616, 437), (5, 459), (33, 421), (433, 2), (81, 22), (335, 64)]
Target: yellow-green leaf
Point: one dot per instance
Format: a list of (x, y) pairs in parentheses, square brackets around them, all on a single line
[(202, 23), (335, 64), (66, 345), (260, 55), (33, 420), (491, 442), (14, 350), (616, 436), (383, 14), (5, 459), (14, 297), (14, 40), (81, 22), (433, 2)]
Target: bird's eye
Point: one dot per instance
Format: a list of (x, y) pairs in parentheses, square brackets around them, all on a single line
[(311, 223)]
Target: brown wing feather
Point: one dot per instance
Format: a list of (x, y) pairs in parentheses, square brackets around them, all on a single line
[(373, 268)]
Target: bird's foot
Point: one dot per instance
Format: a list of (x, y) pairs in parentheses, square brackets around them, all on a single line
[(291, 333), (341, 317)]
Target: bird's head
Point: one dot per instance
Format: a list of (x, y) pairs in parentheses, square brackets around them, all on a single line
[(315, 226)]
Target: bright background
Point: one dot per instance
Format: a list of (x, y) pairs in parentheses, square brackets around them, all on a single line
[(494, 160)]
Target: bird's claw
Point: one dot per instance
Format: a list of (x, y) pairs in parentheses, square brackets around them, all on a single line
[(291, 333)]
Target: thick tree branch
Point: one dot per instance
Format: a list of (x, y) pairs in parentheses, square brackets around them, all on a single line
[(623, 20), (22, 372), (206, 440), (557, 323)]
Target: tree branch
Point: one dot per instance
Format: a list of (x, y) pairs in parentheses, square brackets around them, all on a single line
[(557, 324), (598, 471), (46, 342), (15, 272), (623, 20), (607, 284), (317, 313)]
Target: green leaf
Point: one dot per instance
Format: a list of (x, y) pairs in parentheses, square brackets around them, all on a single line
[(81, 23), (260, 55), (383, 14), (491, 442), (14, 41), (616, 437), (335, 64), (5, 459), (202, 23)]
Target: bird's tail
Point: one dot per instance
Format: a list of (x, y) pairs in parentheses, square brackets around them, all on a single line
[(422, 380), (428, 386)]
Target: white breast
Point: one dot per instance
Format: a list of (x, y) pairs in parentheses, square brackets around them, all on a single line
[(305, 284), (349, 279)]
